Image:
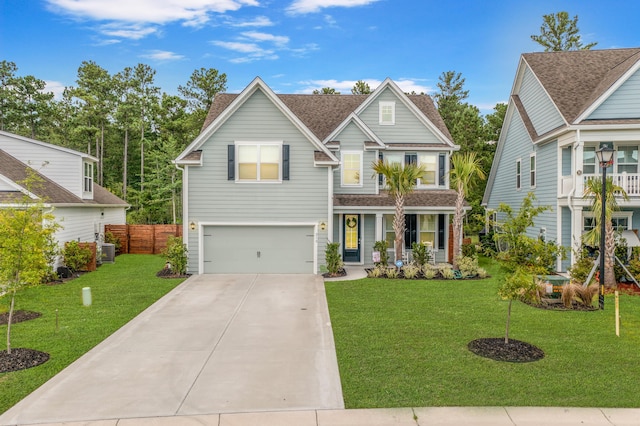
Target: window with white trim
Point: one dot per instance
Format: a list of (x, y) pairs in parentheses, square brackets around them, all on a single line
[(258, 162), (351, 168), (589, 160), (532, 170), (88, 177), (387, 112), (518, 173), (627, 159), (429, 161), (620, 223)]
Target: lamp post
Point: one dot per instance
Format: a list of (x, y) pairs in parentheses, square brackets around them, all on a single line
[(605, 155)]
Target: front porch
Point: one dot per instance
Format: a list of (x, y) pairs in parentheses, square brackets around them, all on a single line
[(629, 182)]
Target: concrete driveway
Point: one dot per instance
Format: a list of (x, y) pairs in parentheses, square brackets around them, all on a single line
[(215, 344)]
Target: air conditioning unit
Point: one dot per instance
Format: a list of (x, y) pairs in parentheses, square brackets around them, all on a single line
[(108, 253)]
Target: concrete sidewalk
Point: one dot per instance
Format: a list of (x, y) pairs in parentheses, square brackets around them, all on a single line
[(215, 344), (450, 416)]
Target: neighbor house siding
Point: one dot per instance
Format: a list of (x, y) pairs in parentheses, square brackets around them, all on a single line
[(407, 127), (623, 103), (541, 110), (61, 167), (213, 198)]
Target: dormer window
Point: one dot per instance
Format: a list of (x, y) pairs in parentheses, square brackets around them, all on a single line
[(387, 113), (88, 177)]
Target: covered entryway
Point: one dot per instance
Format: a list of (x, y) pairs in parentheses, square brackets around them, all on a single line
[(265, 249)]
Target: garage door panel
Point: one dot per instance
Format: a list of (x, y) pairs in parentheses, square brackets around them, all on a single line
[(259, 249)]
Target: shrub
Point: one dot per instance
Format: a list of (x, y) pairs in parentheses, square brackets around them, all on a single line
[(428, 271), (634, 268), (482, 273), (468, 266), (110, 238), (469, 250), (333, 258), (582, 267), (75, 256), (584, 295), (447, 273), (377, 272), (382, 246), (176, 253), (392, 272), (410, 271), (568, 291), (420, 253)]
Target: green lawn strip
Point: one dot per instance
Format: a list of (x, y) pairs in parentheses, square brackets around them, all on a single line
[(404, 343), (120, 291)]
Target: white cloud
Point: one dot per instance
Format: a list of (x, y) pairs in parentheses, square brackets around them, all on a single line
[(163, 55), (260, 21), (130, 31), (54, 86), (299, 7), (258, 36), (251, 51)]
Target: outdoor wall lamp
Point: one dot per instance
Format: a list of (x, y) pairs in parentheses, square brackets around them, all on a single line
[(605, 158), (192, 225), (323, 226)]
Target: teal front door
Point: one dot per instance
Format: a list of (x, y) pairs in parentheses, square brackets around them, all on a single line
[(351, 238)]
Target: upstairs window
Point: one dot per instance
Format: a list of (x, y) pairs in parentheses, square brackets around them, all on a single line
[(518, 174), (351, 168), (627, 159), (259, 162), (387, 113), (430, 164), (88, 177), (589, 160)]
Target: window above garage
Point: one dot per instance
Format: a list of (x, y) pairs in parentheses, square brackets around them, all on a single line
[(258, 162)]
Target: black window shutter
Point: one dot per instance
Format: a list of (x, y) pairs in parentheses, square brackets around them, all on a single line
[(231, 166), (441, 171), (380, 175), (411, 159), (285, 162), (441, 231)]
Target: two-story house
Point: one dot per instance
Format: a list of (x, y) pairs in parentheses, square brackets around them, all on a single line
[(65, 186), (273, 177), (564, 106)]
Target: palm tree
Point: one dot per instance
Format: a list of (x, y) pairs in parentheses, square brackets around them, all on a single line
[(464, 168), (399, 181), (593, 188)]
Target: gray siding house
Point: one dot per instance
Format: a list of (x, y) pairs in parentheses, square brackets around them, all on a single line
[(273, 177), (563, 107)]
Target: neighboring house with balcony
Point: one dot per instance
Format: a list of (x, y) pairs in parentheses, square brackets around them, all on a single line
[(272, 178), (563, 107), (65, 186)]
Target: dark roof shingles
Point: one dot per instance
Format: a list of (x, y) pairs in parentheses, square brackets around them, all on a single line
[(419, 198)]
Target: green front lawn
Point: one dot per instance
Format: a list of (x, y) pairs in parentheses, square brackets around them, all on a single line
[(403, 343), (120, 291)]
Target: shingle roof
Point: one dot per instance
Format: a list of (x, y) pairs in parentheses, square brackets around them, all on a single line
[(576, 79), (48, 190), (323, 113), (420, 198)]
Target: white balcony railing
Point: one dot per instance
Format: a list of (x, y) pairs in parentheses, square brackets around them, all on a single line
[(630, 182)]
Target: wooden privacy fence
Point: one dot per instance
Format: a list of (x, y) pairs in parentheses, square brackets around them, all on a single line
[(143, 239)]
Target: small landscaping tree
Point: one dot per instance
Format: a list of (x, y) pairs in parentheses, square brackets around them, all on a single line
[(381, 247), (26, 246), (333, 258)]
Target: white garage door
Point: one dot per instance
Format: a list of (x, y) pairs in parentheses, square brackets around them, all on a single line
[(258, 249)]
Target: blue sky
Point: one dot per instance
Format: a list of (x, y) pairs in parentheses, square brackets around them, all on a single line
[(297, 46)]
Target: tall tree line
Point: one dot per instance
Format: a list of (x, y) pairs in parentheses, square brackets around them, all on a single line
[(124, 120)]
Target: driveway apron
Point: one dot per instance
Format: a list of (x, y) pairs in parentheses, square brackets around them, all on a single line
[(215, 344)]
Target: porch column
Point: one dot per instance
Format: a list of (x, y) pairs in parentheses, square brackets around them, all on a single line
[(578, 156), (379, 229), (576, 232)]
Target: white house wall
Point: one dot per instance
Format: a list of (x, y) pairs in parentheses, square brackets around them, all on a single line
[(62, 167), (82, 223), (212, 198)]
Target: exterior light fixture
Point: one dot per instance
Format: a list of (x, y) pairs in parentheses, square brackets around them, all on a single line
[(192, 225)]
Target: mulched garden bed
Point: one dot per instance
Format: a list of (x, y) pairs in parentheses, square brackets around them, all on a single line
[(341, 273), (168, 273), (21, 359), (515, 351), (18, 316)]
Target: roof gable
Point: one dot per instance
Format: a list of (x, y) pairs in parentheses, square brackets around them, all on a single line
[(353, 118), (575, 80), (224, 106)]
